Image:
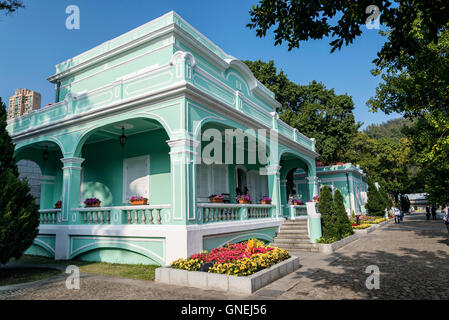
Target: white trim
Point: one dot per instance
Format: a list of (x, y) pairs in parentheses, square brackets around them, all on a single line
[(43, 244)]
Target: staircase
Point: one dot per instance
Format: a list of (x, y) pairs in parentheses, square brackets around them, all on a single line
[(294, 236)]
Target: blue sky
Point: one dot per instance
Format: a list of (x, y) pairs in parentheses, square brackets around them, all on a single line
[(33, 40)]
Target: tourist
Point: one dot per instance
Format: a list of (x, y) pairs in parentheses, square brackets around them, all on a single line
[(446, 217), (397, 215), (428, 212), (434, 212)]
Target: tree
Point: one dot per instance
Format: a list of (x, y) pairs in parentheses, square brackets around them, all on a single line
[(375, 205), (11, 5), (19, 215), (325, 204), (416, 85), (313, 109), (405, 203), (392, 129), (384, 161), (342, 223), (301, 20), (386, 200)]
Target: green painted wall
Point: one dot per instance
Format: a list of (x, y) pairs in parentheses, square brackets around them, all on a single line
[(103, 167)]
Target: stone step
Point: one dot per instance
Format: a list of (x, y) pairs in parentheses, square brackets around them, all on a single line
[(292, 236), (289, 241), (292, 230)]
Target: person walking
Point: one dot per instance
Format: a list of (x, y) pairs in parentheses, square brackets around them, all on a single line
[(434, 212), (397, 215), (446, 217), (428, 212)]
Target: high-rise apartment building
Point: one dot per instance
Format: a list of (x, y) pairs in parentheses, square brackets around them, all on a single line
[(22, 102)]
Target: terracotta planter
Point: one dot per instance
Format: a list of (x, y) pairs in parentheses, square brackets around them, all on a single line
[(213, 200), (266, 202), (139, 202), (58, 206), (93, 205), (243, 201)]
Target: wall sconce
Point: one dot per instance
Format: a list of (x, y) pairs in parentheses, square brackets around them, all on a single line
[(122, 139)]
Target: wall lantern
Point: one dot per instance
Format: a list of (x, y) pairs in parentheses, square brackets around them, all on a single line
[(46, 153), (122, 139)]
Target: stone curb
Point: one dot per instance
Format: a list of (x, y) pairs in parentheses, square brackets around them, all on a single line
[(328, 248), (222, 282)]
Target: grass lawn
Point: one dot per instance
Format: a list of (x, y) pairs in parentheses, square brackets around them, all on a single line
[(22, 275), (133, 271)]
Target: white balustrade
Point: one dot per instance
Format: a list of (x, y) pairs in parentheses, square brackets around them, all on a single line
[(49, 216), (220, 212), (142, 214)]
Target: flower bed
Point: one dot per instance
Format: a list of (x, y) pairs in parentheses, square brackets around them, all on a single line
[(240, 259), (361, 226), (367, 221)]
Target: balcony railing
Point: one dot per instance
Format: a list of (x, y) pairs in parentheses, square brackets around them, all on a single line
[(49, 216), (222, 212), (142, 215)]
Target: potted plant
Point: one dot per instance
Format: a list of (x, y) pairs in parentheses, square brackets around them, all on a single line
[(243, 199), (265, 200), (58, 204), (216, 198), (92, 202), (315, 198), (138, 200), (297, 202)]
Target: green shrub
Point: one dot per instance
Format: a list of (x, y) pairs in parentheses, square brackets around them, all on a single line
[(335, 222), (343, 225), (375, 204), (404, 203), (19, 215), (325, 203)]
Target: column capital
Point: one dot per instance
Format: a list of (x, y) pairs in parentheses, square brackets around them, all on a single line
[(312, 179), (183, 147), (72, 163), (182, 142)]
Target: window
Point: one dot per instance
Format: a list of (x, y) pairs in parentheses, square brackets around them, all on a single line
[(257, 185), (211, 179), (136, 177)]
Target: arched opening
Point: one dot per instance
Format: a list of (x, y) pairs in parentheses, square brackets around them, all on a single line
[(31, 172), (40, 163), (125, 159), (228, 163), (294, 183)]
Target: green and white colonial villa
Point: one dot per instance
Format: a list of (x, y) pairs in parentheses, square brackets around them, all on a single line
[(128, 121)]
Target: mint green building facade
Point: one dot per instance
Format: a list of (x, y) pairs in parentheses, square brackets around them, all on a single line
[(350, 180), (161, 85)]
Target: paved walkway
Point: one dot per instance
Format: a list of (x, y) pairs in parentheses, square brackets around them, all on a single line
[(413, 259)]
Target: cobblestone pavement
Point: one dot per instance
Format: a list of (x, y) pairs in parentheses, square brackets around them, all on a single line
[(413, 259)]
